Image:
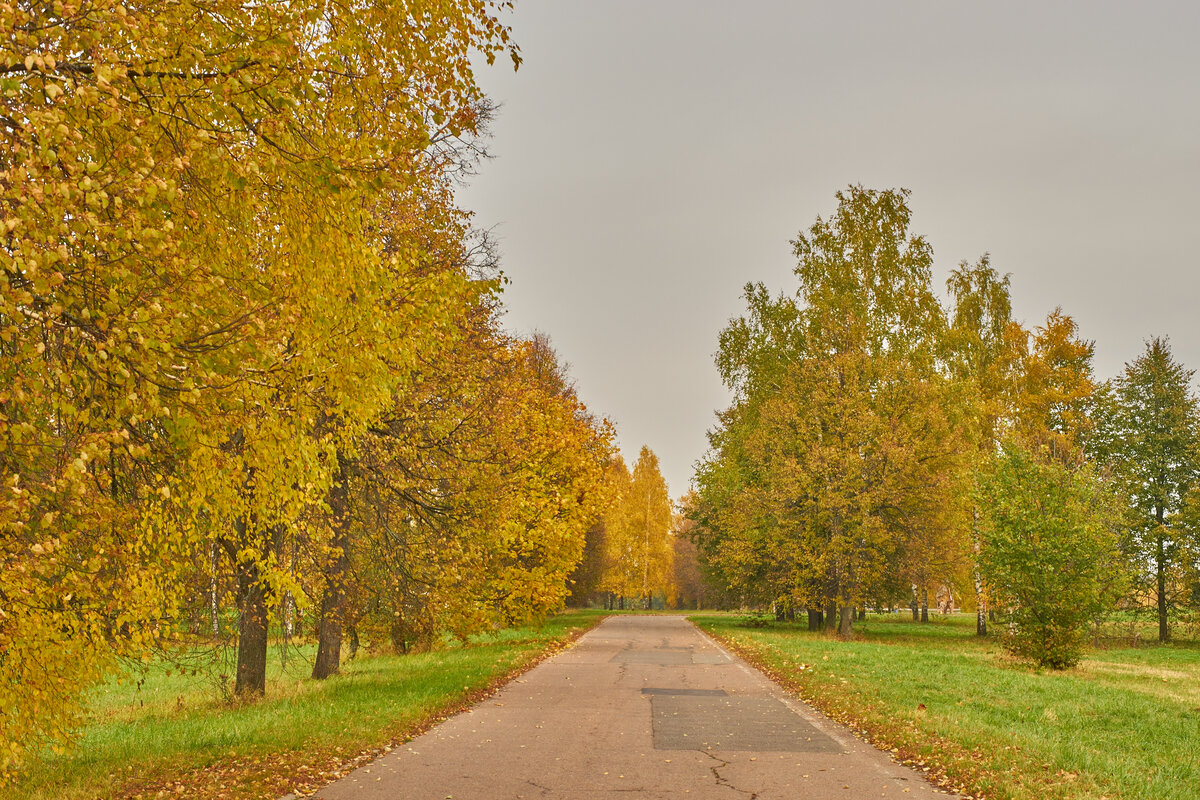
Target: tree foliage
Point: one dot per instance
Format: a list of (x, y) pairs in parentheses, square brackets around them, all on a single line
[(248, 350), (878, 445), (1148, 434), (837, 461), (637, 528), (1050, 552), (863, 415)]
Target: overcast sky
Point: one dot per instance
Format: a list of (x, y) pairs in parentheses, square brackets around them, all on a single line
[(652, 156)]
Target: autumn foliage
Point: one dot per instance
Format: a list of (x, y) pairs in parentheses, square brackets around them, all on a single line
[(249, 354), (883, 449)]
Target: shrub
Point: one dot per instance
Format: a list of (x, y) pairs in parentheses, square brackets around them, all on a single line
[(1050, 554)]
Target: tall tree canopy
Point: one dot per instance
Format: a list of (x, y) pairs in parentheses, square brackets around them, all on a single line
[(637, 530), (1148, 433), (237, 303), (838, 458)]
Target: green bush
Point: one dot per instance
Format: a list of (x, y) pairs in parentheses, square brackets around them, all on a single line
[(1050, 555)]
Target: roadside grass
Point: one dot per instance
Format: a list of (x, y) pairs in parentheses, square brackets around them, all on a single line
[(158, 732), (1123, 724)]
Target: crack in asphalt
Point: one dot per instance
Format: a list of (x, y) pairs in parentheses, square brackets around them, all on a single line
[(545, 789), (721, 780)]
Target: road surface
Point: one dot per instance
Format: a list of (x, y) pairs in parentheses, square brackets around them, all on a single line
[(640, 707)]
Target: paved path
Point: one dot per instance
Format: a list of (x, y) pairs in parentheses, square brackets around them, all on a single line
[(644, 707)]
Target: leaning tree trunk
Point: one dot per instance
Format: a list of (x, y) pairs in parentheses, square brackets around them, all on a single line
[(333, 601)]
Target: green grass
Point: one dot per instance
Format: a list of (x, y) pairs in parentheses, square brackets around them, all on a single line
[(1124, 724), (160, 730)]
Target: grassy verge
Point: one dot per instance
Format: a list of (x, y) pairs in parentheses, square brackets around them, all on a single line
[(1124, 724), (162, 733)]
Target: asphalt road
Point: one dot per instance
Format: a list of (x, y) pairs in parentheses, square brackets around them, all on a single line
[(641, 707)]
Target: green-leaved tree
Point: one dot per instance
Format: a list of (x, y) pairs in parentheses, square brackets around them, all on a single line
[(1149, 435), (1050, 553)]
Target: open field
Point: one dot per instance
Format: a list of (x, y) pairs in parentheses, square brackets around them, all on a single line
[(174, 733), (1124, 724)]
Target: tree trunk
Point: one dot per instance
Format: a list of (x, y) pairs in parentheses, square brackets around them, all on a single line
[(862, 614), (354, 644), (289, 603), (981, 610), (287, 615), (212, 590), (780, 612), (846, 621), (831, 615), (398, 636), (914, 605), (251, 680), (1160, 564), (333, 601), (814, 619), (646, 555), (924, 604)]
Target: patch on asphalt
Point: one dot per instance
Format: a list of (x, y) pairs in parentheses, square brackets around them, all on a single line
[(669, 657), (709, 658), (689, 692), (707, 722), (662, 658)]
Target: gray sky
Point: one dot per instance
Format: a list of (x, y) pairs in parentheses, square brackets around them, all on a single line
[(654, 156)]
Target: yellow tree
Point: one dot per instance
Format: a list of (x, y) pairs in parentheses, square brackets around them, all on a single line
[(647, 517), (1033, 391), (860, 472), (189, 281), (557, 459), (980, 352), (835, 470), (474, 494), (618, 580), (637, 532), (1054, 389)]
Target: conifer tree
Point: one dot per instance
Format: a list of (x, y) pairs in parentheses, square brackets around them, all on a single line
[(1148, 433)]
